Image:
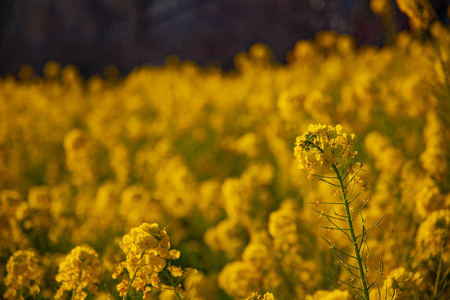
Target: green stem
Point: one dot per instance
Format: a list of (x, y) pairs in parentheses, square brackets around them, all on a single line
[(134, 276), (178, 295), (132, 280), (76, 288), (169, 277), (352, 234), (439, 271)]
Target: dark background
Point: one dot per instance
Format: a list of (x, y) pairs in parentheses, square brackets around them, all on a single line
[(93, 34)]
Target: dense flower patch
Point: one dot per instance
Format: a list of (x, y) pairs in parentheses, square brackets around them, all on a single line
[(95, 175)]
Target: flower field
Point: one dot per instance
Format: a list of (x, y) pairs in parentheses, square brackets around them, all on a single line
[(182, 182)]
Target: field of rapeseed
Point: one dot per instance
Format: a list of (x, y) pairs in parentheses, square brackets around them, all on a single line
[(325, 178)]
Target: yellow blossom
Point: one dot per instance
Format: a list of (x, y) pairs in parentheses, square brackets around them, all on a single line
[(80, 271), (432, 236), (24, 275), (322, 146), (419, 12), (147, 250)]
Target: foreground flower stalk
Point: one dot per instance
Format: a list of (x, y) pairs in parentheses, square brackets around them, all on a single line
[(79, 273), (24, 275), (324, 149), (148, 263), (352, 234)]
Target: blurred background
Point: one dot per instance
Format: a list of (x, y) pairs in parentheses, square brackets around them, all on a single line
[(93, 34)]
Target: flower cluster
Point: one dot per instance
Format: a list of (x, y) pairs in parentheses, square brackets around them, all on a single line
[(24, 275), (419, 12), (79, 156), (226, 236), (10, 225), (434, 158), (79, 273), (433, 237), (283, 226), (400, 285), (322, 146), (147, 250), (240, 278), (380, 7)]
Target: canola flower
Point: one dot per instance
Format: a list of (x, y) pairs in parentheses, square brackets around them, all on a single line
[(380, 7), (419, 12), (433, 240), (147, 265), (24, 275), (325, 148), (79, 273), (399, 284)]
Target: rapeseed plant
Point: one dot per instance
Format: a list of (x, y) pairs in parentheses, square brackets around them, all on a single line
[(24, 275), (79, 273), (148, 263), (324, 148)]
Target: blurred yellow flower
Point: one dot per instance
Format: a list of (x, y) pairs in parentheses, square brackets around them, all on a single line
[(24, 275), (79, 273)]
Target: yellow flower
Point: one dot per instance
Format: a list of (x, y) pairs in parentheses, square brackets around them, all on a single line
[(123, 288), (80, 270), (52, 69), (434, 158), (322, 146), (175, 271), (419, 12), (399, 285), (228, 236), (380, 7), (239, 279), (432, 235), (23, 275), (147, 250), (283, 225)]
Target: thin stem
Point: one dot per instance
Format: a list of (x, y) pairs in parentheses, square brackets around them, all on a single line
[(167, 275), (439, 271), (74, 291), (328, 203), (352, 234), (134, 276), (342, 154), (178, 295)]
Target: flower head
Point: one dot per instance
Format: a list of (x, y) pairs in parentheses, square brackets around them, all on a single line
[(148, 253), (322, 146), (419, 12), (24, 274), (79, 271)]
